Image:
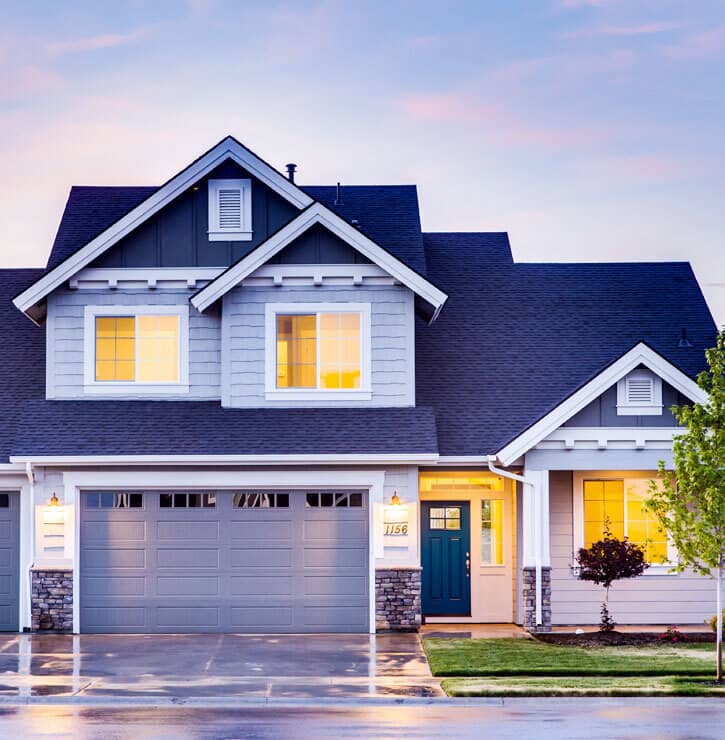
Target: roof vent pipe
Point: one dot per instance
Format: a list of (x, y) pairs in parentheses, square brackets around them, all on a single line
[(338, 195), (291, 167), (684, 341)]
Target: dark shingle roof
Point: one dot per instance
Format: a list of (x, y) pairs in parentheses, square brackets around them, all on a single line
[(205, 428), (515, 340)]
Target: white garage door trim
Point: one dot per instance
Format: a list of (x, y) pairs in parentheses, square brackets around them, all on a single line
[(372, 480)]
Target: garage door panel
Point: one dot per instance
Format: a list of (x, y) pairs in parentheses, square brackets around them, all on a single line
[(187, 530), (253, 617), (182, 557), (9, 560), (7, 554), (188, 586), (105, 531), (115, 585), (263, 557), (110, 557), (6, 528), (263, 586), (238, 566)]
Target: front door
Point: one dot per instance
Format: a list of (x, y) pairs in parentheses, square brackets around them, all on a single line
[(446, 558)]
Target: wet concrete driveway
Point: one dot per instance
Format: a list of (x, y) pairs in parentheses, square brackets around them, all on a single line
[(214, 666)]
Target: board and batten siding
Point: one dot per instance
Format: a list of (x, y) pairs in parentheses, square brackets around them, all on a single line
[(684, 598), (64, 336), (392, 340)]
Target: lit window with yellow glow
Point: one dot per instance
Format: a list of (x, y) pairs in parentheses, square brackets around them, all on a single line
[(620, 504), (492, 532), (319, 350), (142, 349)]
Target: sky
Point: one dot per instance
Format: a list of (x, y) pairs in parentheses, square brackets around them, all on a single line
[(590, 130)]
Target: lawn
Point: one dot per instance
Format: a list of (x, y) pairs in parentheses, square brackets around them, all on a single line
[(522, 657), (527, 667)]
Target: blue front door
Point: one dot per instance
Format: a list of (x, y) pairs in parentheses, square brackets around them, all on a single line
[(446, 558)]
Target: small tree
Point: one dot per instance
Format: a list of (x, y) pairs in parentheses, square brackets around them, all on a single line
[(690, 501), (609, 560)]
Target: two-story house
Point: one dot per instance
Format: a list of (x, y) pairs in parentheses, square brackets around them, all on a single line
[(232, 403)]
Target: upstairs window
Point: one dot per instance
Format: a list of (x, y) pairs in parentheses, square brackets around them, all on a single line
[(230, 210), (135, 348), (639, 394), (323, 351)]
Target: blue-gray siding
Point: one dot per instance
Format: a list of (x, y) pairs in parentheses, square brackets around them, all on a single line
[(177, 235), (650, 599), (65, 327), (392, 337)]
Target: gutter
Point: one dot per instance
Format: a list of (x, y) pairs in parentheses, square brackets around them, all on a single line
[(491, 459)]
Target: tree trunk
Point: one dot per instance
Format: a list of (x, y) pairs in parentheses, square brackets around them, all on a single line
[(718, 621)]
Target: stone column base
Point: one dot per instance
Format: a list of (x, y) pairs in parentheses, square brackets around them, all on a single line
[(51, 599), (397, 599), (529, 600)]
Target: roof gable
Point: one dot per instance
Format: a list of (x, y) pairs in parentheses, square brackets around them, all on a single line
[(228, 148), (311, 216)]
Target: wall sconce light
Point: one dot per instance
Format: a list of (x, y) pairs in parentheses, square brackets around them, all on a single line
[(395, 499), (53, 500)]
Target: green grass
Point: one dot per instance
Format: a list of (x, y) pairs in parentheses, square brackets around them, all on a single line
[(530, 658), (582, 686)]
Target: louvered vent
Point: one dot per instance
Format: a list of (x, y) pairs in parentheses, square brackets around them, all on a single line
[(230, 209), (640, 390)]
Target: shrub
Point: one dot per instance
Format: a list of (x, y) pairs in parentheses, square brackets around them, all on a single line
[(713, 622), (673, 635)]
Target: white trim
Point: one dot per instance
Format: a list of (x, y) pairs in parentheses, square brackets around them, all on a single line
[(113, 388), (641, 354), (279, 276), (273, 393), (612, 438), (655, 569), (228, 148), (372, 480), (317, 214), (121, 460), (99, 278), (625, 407), (216, 232)]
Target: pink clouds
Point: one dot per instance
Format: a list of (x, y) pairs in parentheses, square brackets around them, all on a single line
[(699, 46), (643, 29), (101, 41)]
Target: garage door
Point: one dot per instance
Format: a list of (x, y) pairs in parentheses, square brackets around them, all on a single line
[(221, 561), (9, 560)]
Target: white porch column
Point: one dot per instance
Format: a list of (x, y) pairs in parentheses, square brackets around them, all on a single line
[(536, 551)]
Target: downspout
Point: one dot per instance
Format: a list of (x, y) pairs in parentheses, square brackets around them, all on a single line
[(537, 531)]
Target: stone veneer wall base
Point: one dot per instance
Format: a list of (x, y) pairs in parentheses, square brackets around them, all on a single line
[(397, 599), (529, 600), (51, 599)]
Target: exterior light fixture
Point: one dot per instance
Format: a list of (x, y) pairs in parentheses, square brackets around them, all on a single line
[(53, 500), (395, 500)]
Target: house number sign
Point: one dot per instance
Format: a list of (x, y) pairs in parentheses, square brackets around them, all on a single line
[(396, 529)]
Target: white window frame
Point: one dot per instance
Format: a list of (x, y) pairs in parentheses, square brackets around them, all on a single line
[(627, 408), (215, 232), (135, 387), (272, 393), (655, 569)]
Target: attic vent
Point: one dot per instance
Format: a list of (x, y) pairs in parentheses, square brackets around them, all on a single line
[(230, 210), (639, 394)]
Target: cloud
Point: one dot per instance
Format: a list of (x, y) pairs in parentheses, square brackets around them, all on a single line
[(645, 29), (100, 41), (699, 46), (585, 3)]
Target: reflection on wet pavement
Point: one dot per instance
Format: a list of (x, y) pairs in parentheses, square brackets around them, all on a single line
[(185, 666)]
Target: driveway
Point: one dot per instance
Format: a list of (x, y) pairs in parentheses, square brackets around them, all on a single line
[(214, 666)]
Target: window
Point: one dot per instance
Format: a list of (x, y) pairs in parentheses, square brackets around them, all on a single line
[(103, 500), (187, 500), (492, 532), (323, 352), (230, 210), (639, 394), (333, 499), (4, 500), (621, 505), (448, 517), (132, 349), (261, 500)]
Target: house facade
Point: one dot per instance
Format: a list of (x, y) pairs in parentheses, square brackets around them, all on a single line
[(235, 404)]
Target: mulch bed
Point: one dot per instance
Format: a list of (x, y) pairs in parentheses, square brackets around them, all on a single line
[(601, 639)]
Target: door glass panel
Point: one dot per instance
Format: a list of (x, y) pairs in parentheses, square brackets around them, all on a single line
[(445, 518), (492, 532)]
